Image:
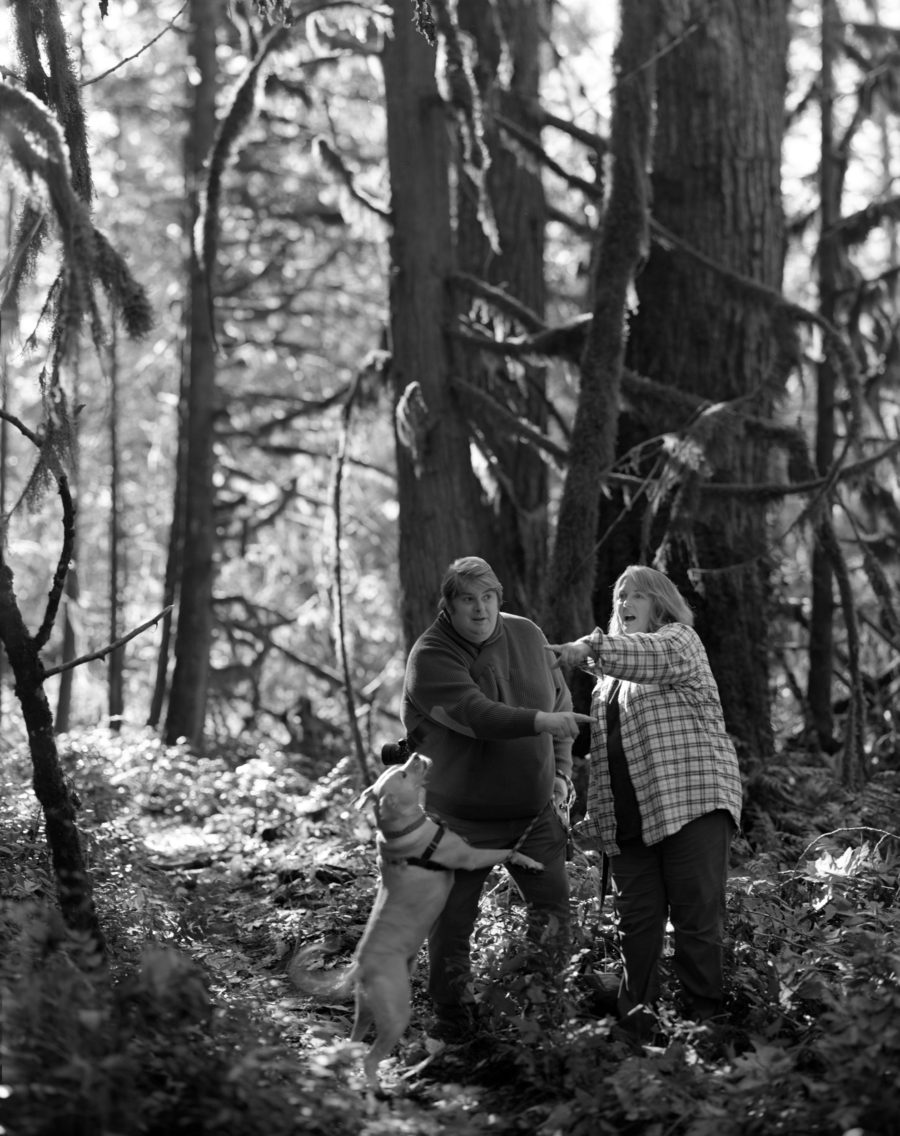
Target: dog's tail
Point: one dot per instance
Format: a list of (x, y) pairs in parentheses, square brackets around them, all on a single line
[(305, 972)]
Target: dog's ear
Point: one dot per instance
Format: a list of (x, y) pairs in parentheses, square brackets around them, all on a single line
[(365, 796)]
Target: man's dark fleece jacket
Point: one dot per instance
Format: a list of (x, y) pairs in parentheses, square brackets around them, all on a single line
[(471, 708)]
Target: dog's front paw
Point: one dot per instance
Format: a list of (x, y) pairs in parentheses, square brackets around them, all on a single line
[(525, 862)]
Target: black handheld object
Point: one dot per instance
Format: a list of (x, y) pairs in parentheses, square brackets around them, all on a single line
[(396, 753)]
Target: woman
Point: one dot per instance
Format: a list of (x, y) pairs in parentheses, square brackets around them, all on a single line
[(665, 790)]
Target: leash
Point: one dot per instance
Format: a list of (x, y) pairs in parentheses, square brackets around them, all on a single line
[(562, 809), (518, 844)]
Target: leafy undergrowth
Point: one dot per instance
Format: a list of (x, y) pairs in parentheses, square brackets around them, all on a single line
[(208, 872)]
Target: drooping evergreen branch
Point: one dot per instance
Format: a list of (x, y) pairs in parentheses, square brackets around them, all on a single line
[(528, 142), (424, 21), (514, 425), (501, 299), (35, 143), (333, 162), (38, 25), (123, 291)]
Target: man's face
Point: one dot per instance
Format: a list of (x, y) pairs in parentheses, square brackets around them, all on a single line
[(474, 612)]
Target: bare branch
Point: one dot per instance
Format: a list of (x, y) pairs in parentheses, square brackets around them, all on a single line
[(110, 647), (62, 565), (169, 26), (32, 437)]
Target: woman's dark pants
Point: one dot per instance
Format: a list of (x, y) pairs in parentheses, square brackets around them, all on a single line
[(680, 879)]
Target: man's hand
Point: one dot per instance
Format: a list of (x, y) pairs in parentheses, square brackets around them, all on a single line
[(563, 797), (563, 790), (570, 654), (565, 724)]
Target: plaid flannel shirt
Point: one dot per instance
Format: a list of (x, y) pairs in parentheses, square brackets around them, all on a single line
[(681, 760)]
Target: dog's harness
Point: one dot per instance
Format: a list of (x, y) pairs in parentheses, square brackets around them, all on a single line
[(423, 861), (417, 823)]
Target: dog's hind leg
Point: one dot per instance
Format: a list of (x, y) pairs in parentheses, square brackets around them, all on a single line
[(387, 998), (363, 1017)]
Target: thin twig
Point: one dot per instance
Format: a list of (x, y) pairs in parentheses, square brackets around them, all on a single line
[(110, 647), (22, 428), (338, 593), (882, 832), (146, 47)]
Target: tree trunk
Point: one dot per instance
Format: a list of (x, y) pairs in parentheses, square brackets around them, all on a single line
[(508, 36), (821, 625), (73, 882), (716, 189), (174, 558), (115, 684), (8, 321), (439, 497), (622, 245), (187, 700), (63, 718)]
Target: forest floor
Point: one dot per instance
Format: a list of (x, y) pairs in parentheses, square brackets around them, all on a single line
[(209, 872)]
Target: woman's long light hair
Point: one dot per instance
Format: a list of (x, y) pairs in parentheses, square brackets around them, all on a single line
[(668, 605)]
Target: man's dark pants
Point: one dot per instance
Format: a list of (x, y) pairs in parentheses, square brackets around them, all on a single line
[(546, 895)]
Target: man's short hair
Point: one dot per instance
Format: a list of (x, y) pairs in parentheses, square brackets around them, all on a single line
[(467, 570)]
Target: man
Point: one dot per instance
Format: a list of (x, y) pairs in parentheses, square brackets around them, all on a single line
[(482, 700)]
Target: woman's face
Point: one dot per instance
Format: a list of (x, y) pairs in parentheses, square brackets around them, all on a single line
[(634, 608), (474, 612)]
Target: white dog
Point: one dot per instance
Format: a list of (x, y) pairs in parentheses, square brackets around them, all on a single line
[(417, 856)]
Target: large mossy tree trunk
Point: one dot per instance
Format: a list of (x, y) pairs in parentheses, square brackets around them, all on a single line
[(509, 36), (699, 329), (441, 510)]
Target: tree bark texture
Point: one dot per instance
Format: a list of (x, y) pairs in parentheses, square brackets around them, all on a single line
[(623, 245), (508, 37), (116, 664), (717, 189), (73, 882), (821, 627), (440, 500), (193, 638), (63, 716)]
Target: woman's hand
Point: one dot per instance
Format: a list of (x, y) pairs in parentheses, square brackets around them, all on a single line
[(570, 654)]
